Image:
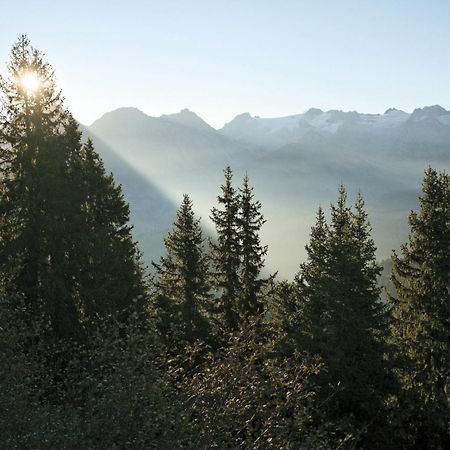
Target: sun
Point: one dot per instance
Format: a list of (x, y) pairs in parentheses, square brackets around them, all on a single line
[(30, 82)]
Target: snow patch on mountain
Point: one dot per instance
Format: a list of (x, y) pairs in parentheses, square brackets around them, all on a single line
[(324, 122), (391, 118), (444, 119), (279, 123)]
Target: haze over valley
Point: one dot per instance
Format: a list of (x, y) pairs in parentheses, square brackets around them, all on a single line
[(296, 163), (225, 225)]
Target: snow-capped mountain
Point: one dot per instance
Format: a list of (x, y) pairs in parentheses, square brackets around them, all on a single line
[(269, 132), (295, 163)]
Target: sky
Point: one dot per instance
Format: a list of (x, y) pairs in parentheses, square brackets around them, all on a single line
[(222, 58)]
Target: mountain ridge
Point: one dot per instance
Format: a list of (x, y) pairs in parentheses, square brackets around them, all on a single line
[(186, 114), (295, 163)]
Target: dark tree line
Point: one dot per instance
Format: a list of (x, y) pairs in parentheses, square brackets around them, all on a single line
[(66, 245), (208, 352)]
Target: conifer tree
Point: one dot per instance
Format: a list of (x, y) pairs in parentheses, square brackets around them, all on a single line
[(112, 277), (421, 329), (250, 221), (343, 320), (64, 223), (313, 282), (182, 275), (226, 252), (33, 122)]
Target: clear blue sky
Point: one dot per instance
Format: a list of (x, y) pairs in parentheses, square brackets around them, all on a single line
[(220, 58)]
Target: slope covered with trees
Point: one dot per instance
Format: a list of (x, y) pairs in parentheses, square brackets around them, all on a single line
[(209, 351)]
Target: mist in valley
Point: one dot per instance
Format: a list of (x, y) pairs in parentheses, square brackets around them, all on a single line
[(295, 163)]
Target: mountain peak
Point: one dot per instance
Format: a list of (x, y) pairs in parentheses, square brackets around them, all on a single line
[(312, 112), (428, 112), (124, 115), (394, 111), (433, 109), (187, 118), (185, 112), (242, 117), (239, 121)]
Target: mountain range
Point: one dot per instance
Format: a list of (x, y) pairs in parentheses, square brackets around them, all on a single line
[(295, 163)]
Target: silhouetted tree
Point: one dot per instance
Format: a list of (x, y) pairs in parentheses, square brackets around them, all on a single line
[(111, 279), (343, 320), (35, 142), (421, 328), (65, 245), (182, 276), (226, 252), (250, 221)]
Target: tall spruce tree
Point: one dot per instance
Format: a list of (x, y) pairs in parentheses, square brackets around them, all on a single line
[(33, 123), (250, 221), (226, 252), (111, 278), (63, 220), (183, 275), (314, 286), (343, 320), (421, 317)]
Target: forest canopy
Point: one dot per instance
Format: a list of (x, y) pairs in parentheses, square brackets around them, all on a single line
[(208, 350)]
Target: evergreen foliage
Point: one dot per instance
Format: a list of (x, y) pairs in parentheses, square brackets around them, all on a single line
[(225, 253), (109, 394), (238, 255), (342, 319), (183, 277), (246, 397), (250, 221), (421, 329), (285, 314), (65, 240), (111, 280), (227, 361)]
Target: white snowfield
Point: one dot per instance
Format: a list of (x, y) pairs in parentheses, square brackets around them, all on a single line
[(332, 121)]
